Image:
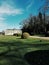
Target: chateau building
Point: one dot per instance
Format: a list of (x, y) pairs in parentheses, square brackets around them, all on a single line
[(12, 31)]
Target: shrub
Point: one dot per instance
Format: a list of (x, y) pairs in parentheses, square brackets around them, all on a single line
[(47, 34), (25, 35), (14, 34), (17, 34)]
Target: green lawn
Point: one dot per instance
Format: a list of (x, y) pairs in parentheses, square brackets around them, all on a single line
[(13, 49)]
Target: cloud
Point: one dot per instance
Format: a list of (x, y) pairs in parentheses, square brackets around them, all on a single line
[(30, 3), (3, 26), (9, 10), (2, 19), (29, 6), (2, 22)]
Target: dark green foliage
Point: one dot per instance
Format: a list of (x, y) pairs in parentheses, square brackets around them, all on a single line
[(16, 34), (40, 57), (35, 25)]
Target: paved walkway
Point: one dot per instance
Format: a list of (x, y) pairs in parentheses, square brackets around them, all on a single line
[(45, 38)]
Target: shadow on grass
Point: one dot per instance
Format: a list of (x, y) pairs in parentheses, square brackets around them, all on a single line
[(18, 43), (12, 57), (13, 54), (40, 57)]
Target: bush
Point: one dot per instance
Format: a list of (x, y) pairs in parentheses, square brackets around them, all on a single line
[(25, 35), (47, 34), (16, 34)]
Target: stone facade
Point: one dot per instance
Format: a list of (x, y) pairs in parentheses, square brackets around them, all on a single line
[(12, 31)]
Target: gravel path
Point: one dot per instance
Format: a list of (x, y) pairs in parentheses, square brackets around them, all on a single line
[(45, 38)]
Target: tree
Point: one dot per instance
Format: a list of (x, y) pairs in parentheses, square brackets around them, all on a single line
[(40, 16), (41, 24), (28, 25)]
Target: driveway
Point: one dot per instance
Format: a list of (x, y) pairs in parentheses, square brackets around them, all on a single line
[(45, 38)]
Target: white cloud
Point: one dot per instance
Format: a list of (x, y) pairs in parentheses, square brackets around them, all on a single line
[(1, 18), (7, 7), (30, 3), (2, 22), (29, 6), (9, 10)]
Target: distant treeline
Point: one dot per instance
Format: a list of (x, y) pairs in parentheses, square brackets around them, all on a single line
[(36, 24)]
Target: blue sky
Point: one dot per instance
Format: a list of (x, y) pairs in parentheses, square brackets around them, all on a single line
[(12, 12)]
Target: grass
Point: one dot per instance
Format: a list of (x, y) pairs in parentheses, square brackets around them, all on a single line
[(13, 49), (12, 39)]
